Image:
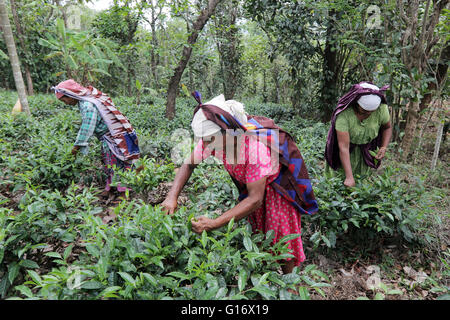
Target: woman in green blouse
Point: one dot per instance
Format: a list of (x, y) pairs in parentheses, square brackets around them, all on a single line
[(359, 124)]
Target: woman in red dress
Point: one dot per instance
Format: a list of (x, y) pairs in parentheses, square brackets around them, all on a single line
[(251, 164)]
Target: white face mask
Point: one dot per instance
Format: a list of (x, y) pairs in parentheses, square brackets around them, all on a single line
[(369, 102)]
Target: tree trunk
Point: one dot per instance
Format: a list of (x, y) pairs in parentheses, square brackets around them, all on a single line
[(264, 93), (14, 59), (416, 47), (228, 45), (154, 57), (172, 90), (296, 96), (410, 130), (329, 92), (22, 47), (421, 132), (437, 145), (276, 79)]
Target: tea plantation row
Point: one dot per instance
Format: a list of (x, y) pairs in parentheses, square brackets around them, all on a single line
[(55, 245)]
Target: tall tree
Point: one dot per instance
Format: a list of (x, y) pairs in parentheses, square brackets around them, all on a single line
[(228, 46), (418, 41), (156, 10), (13, 57), (23, 47), (307, 35), (174, 82), (120, 24)]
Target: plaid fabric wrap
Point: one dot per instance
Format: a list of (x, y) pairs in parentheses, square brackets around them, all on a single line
[(110, 160)]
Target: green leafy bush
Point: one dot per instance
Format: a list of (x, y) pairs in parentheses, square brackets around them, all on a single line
[(143, 255), (150, 177), (378, 206)]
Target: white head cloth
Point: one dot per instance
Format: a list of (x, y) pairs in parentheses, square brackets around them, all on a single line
[(203, 127), (369, 102)]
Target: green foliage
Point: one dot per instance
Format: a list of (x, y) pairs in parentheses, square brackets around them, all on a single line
[(376, 207), (144, 255), (37, 152), (85, 56), (55, 245), (150, 177)]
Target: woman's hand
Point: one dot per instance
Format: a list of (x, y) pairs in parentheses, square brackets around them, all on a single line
[(75, 150), (381, 153), (169, 205), (349, 182), (202, 223)]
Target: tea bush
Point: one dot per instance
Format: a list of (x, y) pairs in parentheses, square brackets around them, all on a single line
[(378, 206), (150, 177), (143, 255)]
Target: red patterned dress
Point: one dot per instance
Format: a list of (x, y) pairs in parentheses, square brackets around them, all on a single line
[(276, 213)]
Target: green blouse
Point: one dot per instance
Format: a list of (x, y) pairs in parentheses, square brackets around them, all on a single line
[(361, 132)]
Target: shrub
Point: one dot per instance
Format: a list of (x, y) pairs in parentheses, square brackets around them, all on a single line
[(378, 206), (149, 255)]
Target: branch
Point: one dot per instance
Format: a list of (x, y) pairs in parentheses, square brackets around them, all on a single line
[(424, 23)]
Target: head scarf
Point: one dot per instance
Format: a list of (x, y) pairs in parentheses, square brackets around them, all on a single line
[(203, 127), (69, 88)]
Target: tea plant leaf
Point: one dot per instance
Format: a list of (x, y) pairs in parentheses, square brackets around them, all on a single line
[(110, 292), (30, 264), (221, 293), (289, 237), (327, 242), (92, 249), (53, 255), (242, 280), (303, 293), (35, 277), (23, 250), (204, 239), (230, 225), (379, 296), (285, 295), (291, 278), (265, 291), (248, 243), (150, 279), (179, 275), (24, 290), (91, 285), (13, 271), (128, 278), (67, 252)]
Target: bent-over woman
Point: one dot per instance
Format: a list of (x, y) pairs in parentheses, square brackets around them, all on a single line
[(119, 144), (360, 127), (264, 163)]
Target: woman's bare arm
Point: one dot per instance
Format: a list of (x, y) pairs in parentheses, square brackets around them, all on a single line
[(344, 155)]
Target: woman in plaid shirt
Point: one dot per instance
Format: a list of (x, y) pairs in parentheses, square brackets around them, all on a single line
[(93, 124)]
